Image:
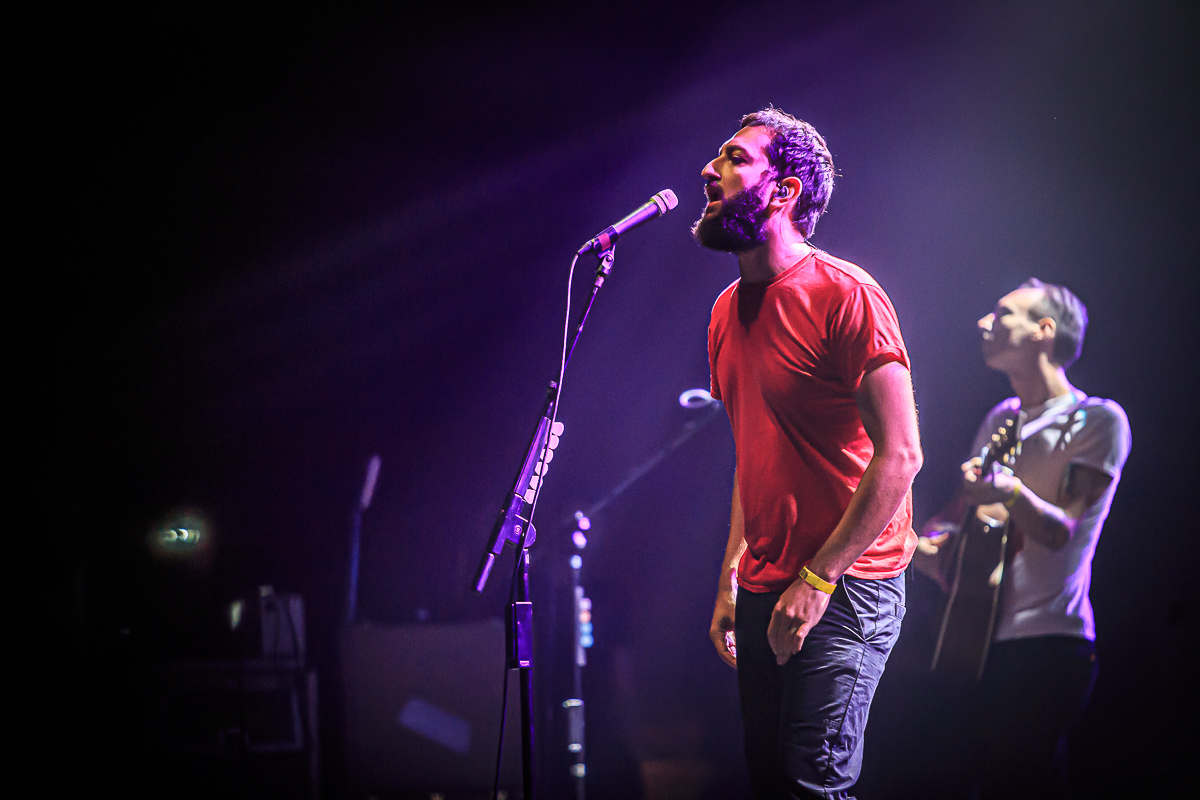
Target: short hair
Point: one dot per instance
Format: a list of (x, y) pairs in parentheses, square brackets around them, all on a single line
[(797, 150), (1070, 319)]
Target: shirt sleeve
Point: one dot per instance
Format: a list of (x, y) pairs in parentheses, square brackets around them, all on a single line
[(865, 335), (714, 387), (1103, 439)]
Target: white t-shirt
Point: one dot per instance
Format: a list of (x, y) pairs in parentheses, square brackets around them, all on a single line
[(1045, 591)]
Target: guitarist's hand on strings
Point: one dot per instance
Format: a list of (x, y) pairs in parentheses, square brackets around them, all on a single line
[(999, 486), (799, 608)]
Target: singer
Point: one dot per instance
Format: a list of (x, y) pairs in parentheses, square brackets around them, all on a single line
[(806, 354)]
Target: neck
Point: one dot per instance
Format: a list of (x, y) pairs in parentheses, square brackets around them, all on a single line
[(1044, 381), (783, 248)]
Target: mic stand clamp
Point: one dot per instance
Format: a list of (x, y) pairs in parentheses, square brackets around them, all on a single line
[(604, 267)]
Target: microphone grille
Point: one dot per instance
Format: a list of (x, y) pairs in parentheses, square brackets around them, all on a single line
[(666, 200)]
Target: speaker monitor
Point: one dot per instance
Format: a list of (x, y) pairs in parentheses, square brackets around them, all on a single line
[(423, 707)]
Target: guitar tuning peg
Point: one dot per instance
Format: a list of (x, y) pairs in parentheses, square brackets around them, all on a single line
[(556, 429)]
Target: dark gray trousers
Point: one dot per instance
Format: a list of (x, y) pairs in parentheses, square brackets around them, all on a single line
[(803, 722)]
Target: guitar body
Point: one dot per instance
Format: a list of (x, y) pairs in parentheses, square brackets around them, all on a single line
[(973, 560)]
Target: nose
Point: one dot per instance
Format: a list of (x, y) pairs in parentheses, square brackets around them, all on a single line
[(709, 173), (985, 322)]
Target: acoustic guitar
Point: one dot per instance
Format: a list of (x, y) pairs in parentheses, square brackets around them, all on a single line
[(974, 560)]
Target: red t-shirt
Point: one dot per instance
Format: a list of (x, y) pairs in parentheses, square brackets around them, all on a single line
[(786, 359)]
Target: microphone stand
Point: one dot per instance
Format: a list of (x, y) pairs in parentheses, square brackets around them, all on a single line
[(364, 502), (514, 526), (583, 612)]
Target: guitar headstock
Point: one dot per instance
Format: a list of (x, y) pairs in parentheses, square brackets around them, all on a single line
[(1004, 445)]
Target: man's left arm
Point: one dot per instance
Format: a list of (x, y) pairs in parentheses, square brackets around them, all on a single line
[(889, 414)]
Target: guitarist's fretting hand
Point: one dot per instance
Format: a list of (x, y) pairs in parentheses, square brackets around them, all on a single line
[(998, 487)]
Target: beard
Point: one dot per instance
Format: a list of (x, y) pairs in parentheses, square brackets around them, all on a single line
[(739, 225)]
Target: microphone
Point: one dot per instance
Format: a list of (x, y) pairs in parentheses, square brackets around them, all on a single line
[(656, 206), (368, 489)]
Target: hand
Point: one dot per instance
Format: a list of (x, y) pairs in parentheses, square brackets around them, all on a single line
[(935, 534), (721, 630), (997, 487), (800, 607), (927, 558), (929, 545), (938, 529)]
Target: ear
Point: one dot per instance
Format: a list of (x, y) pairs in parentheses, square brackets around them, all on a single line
[(783, 199), (788, 188), (1047, 327)]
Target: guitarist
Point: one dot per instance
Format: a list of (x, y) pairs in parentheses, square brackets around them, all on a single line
[(1041, 664)]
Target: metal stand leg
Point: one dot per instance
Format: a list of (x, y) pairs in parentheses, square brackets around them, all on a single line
[(520, 657)]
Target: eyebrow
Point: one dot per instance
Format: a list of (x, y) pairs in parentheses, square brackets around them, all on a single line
[(728, 149)]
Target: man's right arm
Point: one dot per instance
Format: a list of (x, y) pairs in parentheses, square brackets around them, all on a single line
[(721, 630)]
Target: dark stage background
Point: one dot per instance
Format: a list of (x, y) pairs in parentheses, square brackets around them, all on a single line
[(313, 236)]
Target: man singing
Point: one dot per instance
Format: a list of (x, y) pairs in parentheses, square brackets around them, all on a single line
[(806, 354), (1042, 662)]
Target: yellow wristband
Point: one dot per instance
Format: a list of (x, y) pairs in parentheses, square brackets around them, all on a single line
[(816, 581), (1017, 487)]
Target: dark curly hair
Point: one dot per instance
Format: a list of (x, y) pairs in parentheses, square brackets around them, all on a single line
[(798, 151), (1070, 319)]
